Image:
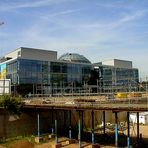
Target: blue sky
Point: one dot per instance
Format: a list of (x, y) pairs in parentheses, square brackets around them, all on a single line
[(98, 29)]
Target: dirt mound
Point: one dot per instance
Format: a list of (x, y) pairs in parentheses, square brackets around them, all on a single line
[(21, 144)]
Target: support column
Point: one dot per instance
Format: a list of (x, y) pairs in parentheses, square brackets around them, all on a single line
[(70, 140), (56, 144), (4, 126), (138, 127), (128, 131), (82, 123), (65, 119), (79, 128), (104, 122), (92, 124), (52, 120), (116, 129), (38, 139), (70, 124), (38, 123), (56, 136)]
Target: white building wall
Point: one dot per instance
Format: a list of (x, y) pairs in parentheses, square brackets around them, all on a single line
[(143, 119), (108, 62), (118, 63), (122, 63), (146, 119), (36, 54), (133, 118), (13, 54), (5, 86), (33, 54)]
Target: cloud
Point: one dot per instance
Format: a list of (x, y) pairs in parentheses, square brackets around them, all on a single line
[(28, 4), (64, 12), (122, 20), (135, 15)]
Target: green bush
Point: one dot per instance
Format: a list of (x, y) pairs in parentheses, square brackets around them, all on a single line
[(11, 104)]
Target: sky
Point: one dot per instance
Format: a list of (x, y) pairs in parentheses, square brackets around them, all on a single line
[(98, 29)]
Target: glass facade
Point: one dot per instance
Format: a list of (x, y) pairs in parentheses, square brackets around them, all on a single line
[(119, 79), (50, 77), (34, 72), (3, 71), (74, 57), (34, 76), (68, 75), (12, 72)]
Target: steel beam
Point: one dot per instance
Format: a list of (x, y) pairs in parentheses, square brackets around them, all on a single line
[(119, 107)]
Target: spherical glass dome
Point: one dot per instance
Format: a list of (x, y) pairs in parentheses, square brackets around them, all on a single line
[(74, 57)]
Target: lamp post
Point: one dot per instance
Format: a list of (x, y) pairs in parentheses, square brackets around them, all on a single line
[(146, 84), (97, 86), (14, 88), (1, 23), (100, 83)]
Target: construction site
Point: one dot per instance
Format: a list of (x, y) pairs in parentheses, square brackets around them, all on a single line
[(52, 96), (70, 97), (71, 102), (81, 121)]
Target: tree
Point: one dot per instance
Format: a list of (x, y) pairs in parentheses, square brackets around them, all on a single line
[(11, 104)]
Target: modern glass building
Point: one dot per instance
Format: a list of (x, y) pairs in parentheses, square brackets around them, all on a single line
[(117, 79), (36, 71)]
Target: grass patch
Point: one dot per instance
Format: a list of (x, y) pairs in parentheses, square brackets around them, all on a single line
[(19, 142)]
